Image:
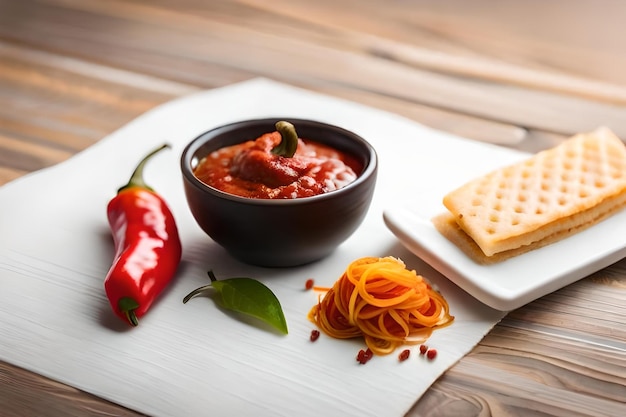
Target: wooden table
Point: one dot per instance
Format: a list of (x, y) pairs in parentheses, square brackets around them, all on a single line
[(518, 74)]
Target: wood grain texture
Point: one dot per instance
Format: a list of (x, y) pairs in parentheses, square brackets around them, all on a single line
[(517, 74)]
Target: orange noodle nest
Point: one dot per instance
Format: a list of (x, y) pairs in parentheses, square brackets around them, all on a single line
[(381, 300)]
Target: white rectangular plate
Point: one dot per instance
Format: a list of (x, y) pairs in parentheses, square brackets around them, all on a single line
[(514, 282)]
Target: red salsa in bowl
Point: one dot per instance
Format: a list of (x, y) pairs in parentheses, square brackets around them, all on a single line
[(261, 168), (273, 199)]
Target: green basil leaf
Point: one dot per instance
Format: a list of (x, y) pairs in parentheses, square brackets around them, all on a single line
[(247, 296)]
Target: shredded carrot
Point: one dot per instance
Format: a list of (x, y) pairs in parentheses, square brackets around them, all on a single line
[(382, 301)]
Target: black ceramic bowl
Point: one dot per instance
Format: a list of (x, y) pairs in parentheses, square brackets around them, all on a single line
[(285, 232)]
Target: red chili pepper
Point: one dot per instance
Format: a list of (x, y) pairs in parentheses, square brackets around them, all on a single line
[(147, 247)]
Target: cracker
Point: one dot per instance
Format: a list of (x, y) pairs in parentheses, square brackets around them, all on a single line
[(540, 200)]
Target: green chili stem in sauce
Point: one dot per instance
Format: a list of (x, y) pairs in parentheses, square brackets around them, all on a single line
[(289, 140)]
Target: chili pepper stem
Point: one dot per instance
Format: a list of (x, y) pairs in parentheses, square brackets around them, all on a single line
[(288, 142), (128, 306), (136, 179), (200, 290)]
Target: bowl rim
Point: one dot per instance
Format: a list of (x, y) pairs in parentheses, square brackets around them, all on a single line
[(188, 152)]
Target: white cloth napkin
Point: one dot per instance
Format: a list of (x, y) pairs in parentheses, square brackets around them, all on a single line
[(196, 359)]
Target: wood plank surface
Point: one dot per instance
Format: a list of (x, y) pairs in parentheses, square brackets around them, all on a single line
[(518, 74)]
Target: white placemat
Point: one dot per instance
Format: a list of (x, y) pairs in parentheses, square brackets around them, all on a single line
[(195, 359)]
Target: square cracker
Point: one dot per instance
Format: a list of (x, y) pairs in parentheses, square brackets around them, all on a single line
[(542, 199)]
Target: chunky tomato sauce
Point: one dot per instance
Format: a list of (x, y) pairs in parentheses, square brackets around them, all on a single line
[(250, 169)]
